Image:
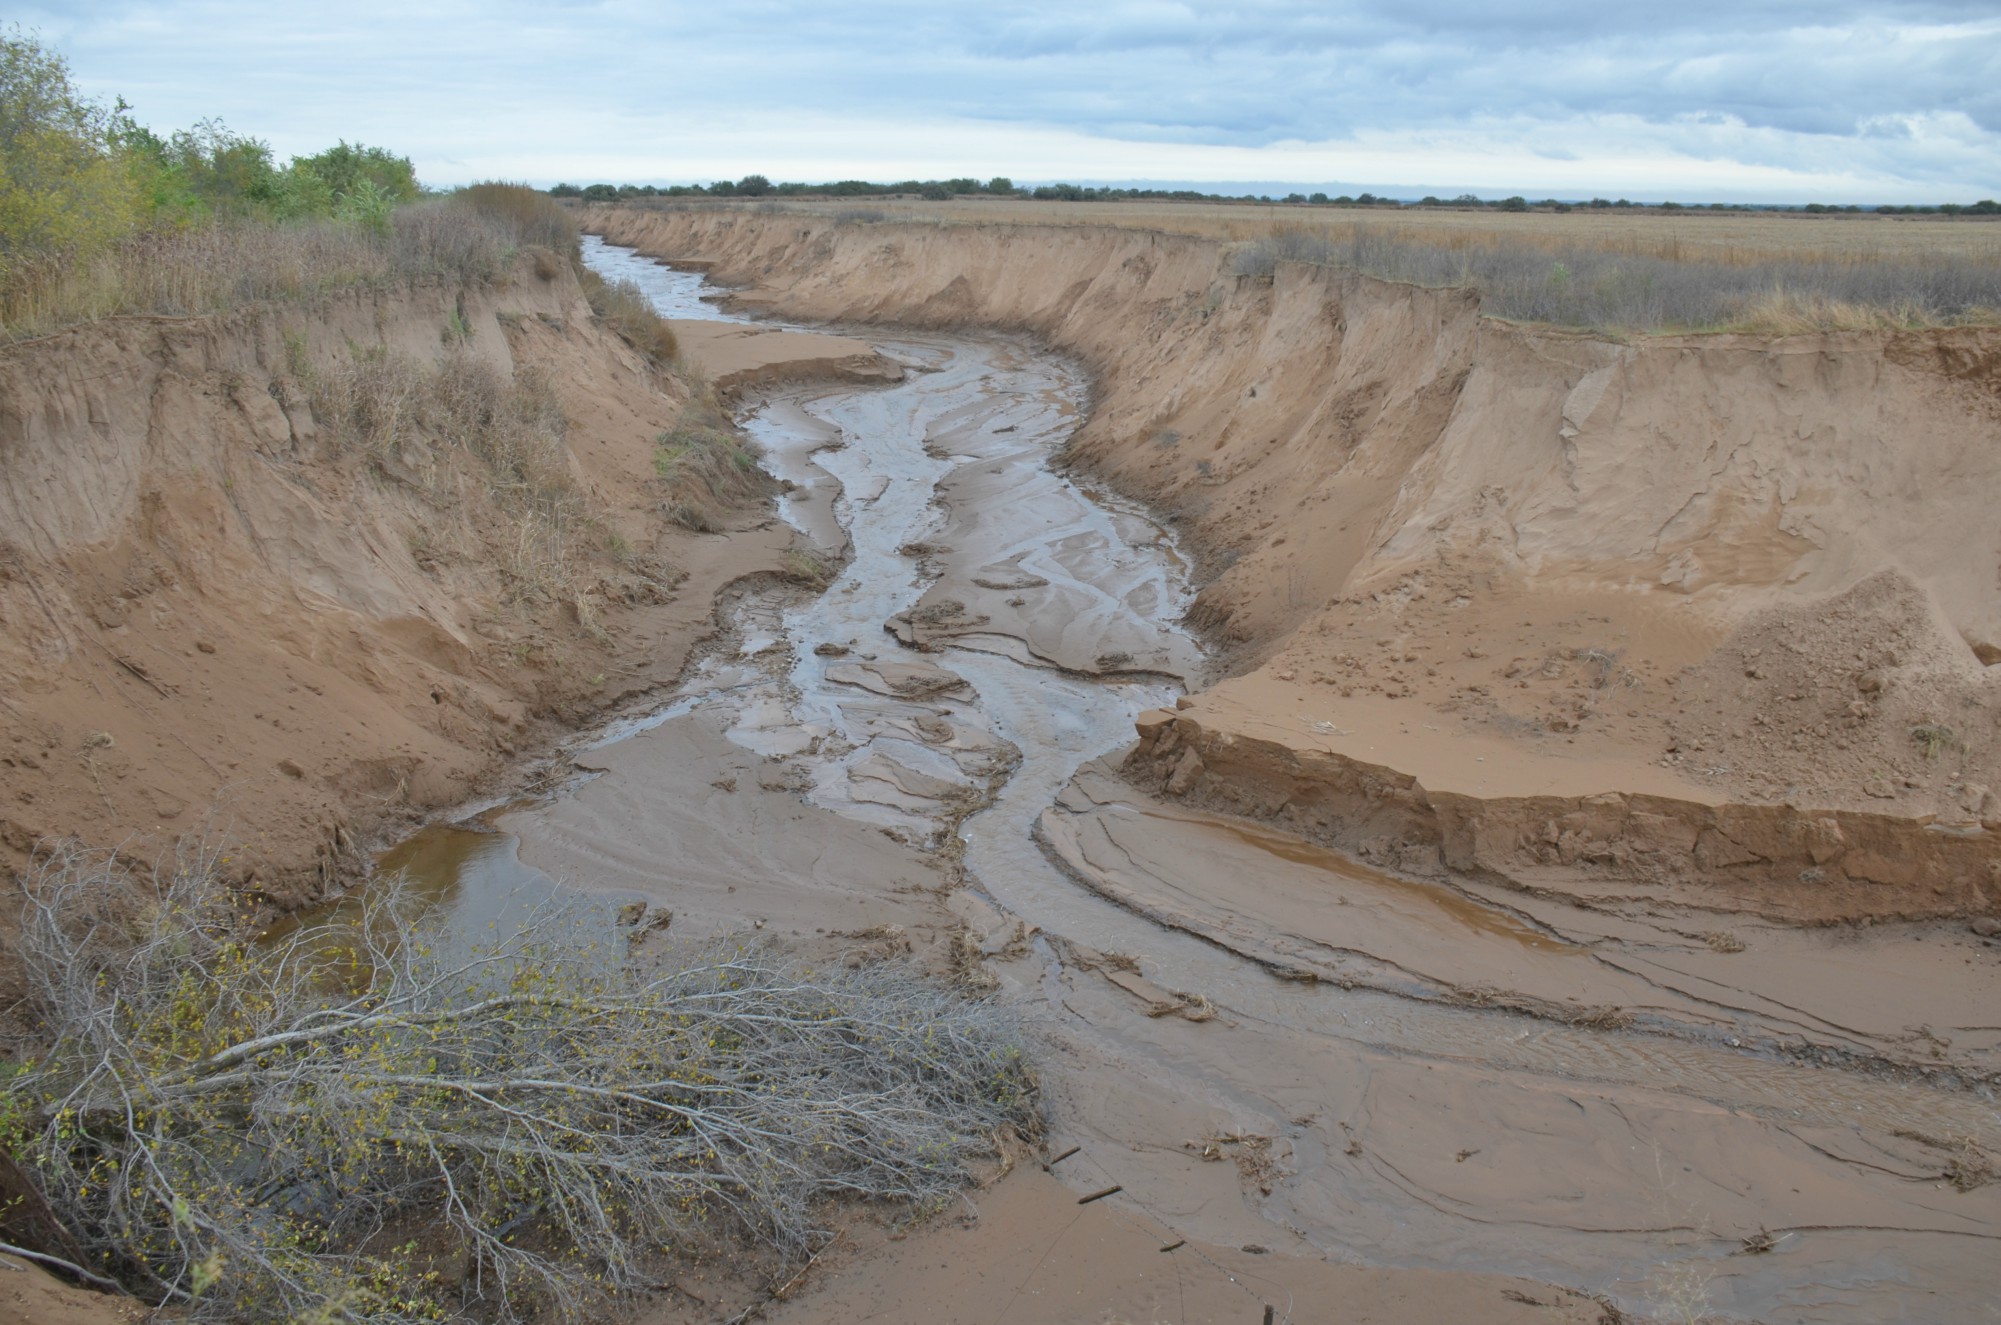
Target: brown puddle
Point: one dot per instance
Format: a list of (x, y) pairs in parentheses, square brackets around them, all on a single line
[(476, 875)]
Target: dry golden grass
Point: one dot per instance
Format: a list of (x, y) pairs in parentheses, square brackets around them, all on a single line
[(485, 450), (627, 310), (469, 236), (1694, 234), (1618, 271)]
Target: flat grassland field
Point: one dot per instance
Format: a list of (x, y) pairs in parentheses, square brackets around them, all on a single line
[(1691, 235)]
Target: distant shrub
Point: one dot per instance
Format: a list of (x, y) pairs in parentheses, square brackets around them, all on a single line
[(626, 310), (524, 215)]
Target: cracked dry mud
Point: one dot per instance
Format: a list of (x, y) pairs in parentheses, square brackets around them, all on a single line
[(1604, 1091)]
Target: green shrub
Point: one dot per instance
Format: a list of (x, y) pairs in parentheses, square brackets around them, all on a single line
[(65, 189), (100, 215)]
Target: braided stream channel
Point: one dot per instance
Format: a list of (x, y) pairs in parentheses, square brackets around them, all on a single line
[(807, 780)]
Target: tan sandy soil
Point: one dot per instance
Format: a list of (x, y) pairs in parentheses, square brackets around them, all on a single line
[(208, 612), (1426, 555), (1024, 1252), (31, 1295), (213, 619), (1743, 586), (720, 835), (735, 355), (717, 834), (1618, 957)]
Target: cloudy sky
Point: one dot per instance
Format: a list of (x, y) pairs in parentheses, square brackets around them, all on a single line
[(1696, 100)]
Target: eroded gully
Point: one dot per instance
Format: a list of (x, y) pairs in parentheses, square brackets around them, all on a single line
[(803, 780)]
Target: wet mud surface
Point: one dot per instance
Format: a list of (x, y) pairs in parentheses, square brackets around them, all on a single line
[(1261, 1041)]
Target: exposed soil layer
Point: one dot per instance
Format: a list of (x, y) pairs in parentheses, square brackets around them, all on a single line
[(1622, 958), (1742, 587), (222, 614), (1363, 779), (736, 356)]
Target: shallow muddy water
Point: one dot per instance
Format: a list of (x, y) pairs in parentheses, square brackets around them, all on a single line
[(819, 751)]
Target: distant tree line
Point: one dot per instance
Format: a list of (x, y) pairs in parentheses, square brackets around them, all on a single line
[(940, 190), (757, 186)]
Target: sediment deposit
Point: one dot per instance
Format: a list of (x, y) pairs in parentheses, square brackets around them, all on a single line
[(1726, 602)]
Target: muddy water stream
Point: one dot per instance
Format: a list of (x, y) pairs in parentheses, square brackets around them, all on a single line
[(819, 751)]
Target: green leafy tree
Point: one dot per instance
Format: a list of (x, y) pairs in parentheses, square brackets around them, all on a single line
[(64, 189), (345, 169), (166, 196), (232, 175)]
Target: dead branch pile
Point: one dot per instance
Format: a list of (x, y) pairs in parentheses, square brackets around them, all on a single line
[(367, 1119)]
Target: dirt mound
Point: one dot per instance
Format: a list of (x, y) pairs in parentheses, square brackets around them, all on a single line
[(1863, 700), (1561, 543)]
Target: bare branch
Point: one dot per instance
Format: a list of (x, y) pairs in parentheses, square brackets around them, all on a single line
[(250, 1128)]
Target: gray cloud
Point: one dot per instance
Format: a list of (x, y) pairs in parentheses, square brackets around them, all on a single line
[(1888, 98)]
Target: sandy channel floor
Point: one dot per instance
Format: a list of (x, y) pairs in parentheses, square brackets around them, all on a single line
[(1468, 1086)]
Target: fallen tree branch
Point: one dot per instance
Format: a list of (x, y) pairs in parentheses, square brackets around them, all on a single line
[(241, 1127)]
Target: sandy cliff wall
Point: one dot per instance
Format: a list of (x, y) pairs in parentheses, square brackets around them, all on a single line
[(220, 614), (1767, 567)]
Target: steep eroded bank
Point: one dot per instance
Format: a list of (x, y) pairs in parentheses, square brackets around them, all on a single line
[(285, 577), (1728, 576)]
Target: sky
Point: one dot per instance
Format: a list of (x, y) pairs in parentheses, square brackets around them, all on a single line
[(1695, 101)]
